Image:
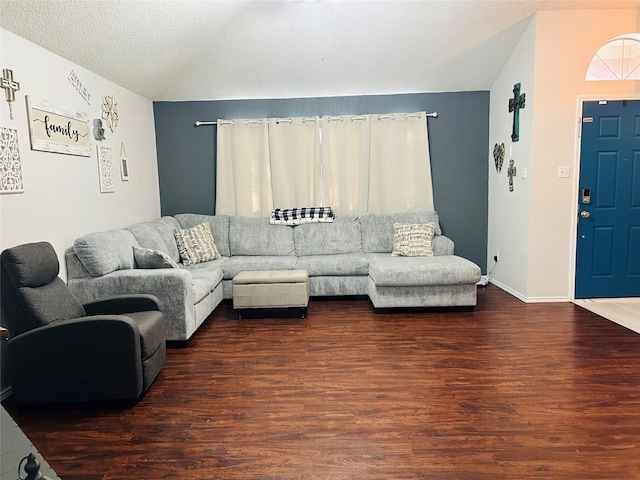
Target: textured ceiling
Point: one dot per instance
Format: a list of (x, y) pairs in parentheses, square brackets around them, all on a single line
[(203, 50)]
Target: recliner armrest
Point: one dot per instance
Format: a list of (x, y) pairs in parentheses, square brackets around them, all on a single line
[(96, 330), (96, 357), (123, 304)]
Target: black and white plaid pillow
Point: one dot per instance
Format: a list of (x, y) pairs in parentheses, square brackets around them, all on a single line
[(296, 216)]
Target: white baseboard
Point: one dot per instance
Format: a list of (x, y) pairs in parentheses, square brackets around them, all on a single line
[(526, 299), (548, 300), (509, 290)]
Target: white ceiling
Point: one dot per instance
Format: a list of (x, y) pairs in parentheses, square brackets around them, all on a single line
[(205, 50)]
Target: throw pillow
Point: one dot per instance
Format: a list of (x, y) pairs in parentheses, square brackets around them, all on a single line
[(413, 239), (196, 244), (148, 258)]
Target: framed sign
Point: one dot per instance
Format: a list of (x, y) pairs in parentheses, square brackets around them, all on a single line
[(57, 129), (10, 165), (124, 164), (105, 169)]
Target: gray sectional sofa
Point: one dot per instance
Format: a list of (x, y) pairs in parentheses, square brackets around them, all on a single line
[(349, 256)]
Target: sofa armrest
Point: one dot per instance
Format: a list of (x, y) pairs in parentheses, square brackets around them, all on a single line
[(442, 245), (95, 357), (123, 304), (163, 283), (173, 286)]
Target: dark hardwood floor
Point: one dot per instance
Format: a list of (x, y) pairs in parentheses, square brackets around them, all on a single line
[(510, 390)]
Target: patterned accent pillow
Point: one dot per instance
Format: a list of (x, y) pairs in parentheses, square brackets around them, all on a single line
[(148, 258), (300, 215), (413, 239), (196, 244)]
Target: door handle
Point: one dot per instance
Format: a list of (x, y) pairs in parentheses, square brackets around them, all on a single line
[(585, 214)]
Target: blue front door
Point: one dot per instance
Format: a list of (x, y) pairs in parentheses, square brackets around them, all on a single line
[(608, 243)]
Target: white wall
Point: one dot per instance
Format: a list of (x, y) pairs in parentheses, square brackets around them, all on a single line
[(508, 230), (62, 198), (565, 42)]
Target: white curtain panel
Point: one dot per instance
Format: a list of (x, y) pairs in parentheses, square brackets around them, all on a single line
[(352, 163), (243, 178), (400, 168), (345, 163), (294, 147)]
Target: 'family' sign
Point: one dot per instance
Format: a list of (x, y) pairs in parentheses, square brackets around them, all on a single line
[(56, 129)]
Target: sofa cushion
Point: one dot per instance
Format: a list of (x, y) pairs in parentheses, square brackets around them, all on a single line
[(413, 239), (377, 229), (196, 244), (345, 264), (148, 237), (219, 225), (235, 265), (388, 271), (343, 235), (166, 226), (442, 245), (157, 235), (256, 236), (148, 258), (205, 277), (105, 252)]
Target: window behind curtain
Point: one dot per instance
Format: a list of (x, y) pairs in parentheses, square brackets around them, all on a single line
[(353, 163)]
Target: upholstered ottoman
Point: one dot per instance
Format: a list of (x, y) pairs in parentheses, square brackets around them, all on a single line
[(271, 289)]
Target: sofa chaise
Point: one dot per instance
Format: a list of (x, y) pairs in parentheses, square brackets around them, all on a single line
[(350, 256)]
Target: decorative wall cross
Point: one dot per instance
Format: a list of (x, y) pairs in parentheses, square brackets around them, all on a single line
[(11, 87), (515, 104), (511, 173)]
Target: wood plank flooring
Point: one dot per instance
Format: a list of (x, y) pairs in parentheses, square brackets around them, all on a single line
[(508, 391)]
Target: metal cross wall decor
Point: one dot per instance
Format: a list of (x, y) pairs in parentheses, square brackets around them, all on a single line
[(515, 104), (11, 87), (511, 173)]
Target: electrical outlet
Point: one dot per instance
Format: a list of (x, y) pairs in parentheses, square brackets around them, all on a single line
[(496, 257)]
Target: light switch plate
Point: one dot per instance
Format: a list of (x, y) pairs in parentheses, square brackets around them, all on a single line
[(564, 172)]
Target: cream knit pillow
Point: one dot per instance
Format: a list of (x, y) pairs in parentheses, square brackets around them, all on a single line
[(196, 244), (413, 239)]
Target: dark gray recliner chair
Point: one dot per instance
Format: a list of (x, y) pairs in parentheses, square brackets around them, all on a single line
[(62, 351)]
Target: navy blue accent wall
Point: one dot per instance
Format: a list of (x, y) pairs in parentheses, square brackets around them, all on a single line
[(458, 142)]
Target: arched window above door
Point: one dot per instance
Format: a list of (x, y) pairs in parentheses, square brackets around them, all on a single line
[(618, 59)]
